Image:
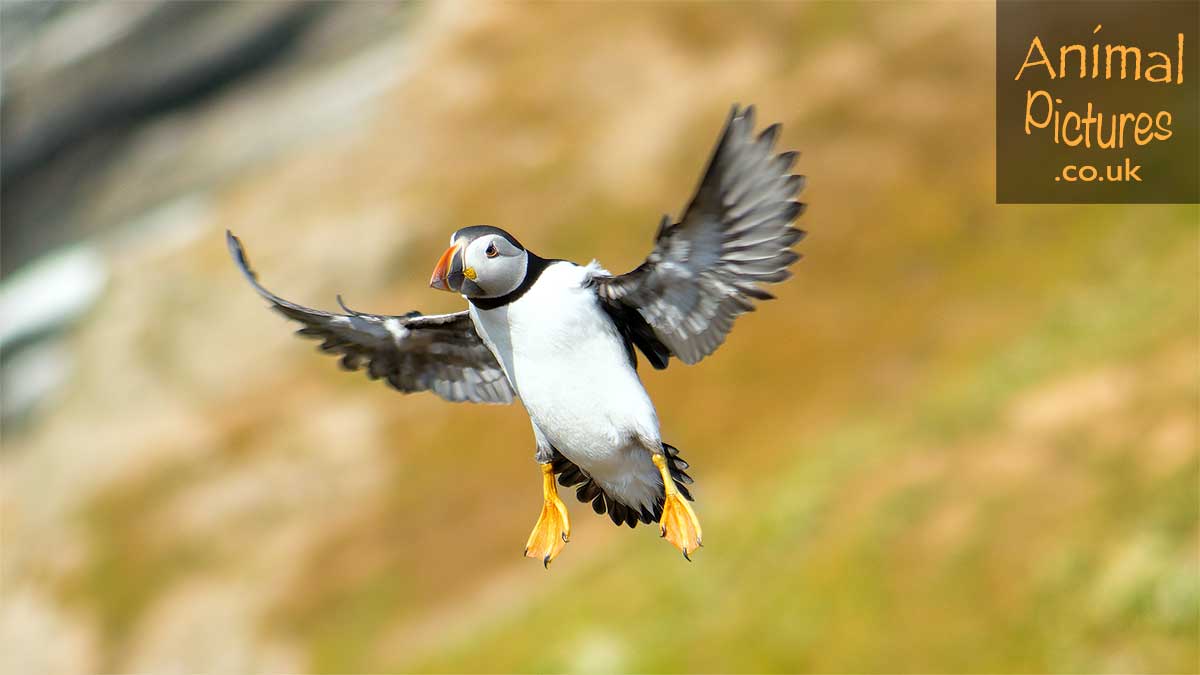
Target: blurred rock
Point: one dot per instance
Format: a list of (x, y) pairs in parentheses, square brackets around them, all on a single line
[(49, 296), (36, 307), (81, 81)]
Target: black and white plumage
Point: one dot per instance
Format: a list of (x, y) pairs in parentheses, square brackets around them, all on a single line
[(734, 234), (563, 337), (441, 353)]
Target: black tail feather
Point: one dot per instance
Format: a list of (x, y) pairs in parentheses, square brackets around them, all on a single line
[(570, 475)]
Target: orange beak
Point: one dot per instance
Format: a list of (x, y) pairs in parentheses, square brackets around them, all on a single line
[(441, 273)]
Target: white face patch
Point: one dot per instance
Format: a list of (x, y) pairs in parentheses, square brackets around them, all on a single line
[(498, 274)]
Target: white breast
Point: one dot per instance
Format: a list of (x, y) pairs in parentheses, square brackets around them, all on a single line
[(567, 362)]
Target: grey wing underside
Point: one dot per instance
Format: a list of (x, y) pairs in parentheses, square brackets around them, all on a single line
[(439, 353), (705, 269)]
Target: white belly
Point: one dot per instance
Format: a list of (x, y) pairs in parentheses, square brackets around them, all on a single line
[(567, 362)]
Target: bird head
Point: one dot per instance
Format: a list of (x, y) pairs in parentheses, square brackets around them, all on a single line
[(482, 262)]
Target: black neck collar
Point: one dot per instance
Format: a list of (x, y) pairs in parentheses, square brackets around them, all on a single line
[(533, 270)]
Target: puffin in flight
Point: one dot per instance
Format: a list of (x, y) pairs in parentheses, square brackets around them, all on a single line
[(564, 337)]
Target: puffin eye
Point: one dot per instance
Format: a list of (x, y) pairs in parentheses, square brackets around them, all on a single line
[(491, 251)]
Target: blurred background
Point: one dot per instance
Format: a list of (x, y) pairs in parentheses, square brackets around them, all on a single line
[(964, 438)]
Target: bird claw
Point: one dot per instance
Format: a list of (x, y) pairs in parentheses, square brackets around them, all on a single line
[(551, 533), (680, 526)]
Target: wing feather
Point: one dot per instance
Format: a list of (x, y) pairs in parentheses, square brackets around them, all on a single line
[(439, 353), (734, 234)]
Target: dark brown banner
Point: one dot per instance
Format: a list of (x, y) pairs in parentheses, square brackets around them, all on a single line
[(1097, 102)]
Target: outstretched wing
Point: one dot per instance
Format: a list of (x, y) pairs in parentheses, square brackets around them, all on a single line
[(439, 353), (705, 269)]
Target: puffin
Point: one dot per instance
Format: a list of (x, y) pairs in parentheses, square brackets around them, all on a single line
[(565, 338)]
